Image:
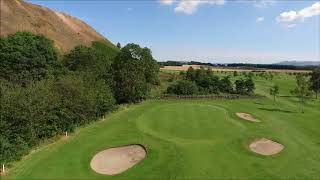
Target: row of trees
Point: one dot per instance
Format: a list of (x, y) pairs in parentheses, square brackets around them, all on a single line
[(44, 94), (203, 81)]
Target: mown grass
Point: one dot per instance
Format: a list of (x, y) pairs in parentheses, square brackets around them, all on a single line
[(193, 139)]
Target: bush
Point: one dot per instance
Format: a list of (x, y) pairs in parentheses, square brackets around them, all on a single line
[(183, 87), (46, 108), (245, 87), (226, 85)]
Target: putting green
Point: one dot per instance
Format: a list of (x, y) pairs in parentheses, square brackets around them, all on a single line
[(202, 122)]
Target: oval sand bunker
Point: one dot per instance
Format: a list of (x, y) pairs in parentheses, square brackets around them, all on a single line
[(117, 160), (247, 117), (266, 147)]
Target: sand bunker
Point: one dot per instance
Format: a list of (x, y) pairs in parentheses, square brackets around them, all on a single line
[(266, 147), (117, 160), (247, 117)]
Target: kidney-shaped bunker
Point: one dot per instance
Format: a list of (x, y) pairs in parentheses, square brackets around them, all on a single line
[(118, 159)]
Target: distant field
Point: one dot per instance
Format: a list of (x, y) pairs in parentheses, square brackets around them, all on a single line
[(193, 139), (185, 67)]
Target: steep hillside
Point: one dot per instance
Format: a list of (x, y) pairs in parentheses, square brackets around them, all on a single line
[(65, 30)]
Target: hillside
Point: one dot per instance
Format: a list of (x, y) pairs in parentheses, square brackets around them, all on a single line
[(65, 30)]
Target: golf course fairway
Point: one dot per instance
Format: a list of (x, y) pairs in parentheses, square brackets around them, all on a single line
[(188, 139)]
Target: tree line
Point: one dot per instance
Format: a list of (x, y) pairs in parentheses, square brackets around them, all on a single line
[(237, 65), (44, 93), (203, 81)]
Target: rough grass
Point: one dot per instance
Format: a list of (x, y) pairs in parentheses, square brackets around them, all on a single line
[(193, 139)]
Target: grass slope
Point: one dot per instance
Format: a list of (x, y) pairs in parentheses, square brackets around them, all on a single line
[(192, 139)]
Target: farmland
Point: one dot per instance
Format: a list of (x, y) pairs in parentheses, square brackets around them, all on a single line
[(228, 69)]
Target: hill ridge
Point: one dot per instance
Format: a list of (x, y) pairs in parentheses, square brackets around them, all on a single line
[(65, 30)]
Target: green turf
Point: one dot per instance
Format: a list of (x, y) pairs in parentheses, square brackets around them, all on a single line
[(192, 139)]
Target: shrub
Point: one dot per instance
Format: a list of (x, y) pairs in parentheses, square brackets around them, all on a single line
[(182, 87), (46, 108)]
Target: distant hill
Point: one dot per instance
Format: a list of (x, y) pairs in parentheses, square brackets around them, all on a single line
[(66, 31), (299, 63)]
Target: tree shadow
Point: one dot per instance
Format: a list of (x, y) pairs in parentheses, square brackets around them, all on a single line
[(276, 110), (259, 103)]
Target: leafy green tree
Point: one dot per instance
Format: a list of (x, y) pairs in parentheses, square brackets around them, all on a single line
[(206, 81), (25, 56), (274, 91), (315, 81), (95, 60), (182, 87), (226, 85), (191, 74), (240, 86), (133, 69), (80, 58), (302, 90), (249, 84)]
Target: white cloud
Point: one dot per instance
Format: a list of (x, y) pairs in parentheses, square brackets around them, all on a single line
[(264, 3), (307, 12), (191, 6), (167, 2), (129, 9), (260, 19)]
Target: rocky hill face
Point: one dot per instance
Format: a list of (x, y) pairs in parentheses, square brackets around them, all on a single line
[(66, 31)]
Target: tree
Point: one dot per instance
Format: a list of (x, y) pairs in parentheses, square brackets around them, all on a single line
[(249, 85), (315, 81), (274, 91), (182, 87), (240, 86), (95, 60), (302, 89), (226, 85), (25, 56), (245, 86), (119, 45), (235, 73), (133, 69), (191, 74), (80, 58)]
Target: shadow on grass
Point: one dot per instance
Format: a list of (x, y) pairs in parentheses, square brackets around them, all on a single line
[(259, 103), (276, 110)]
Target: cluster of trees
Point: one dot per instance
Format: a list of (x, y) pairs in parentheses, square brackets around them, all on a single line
[(305, 84), (203, 81), (44, 94)]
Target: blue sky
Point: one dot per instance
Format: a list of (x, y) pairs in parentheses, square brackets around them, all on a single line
[(218, 31)]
